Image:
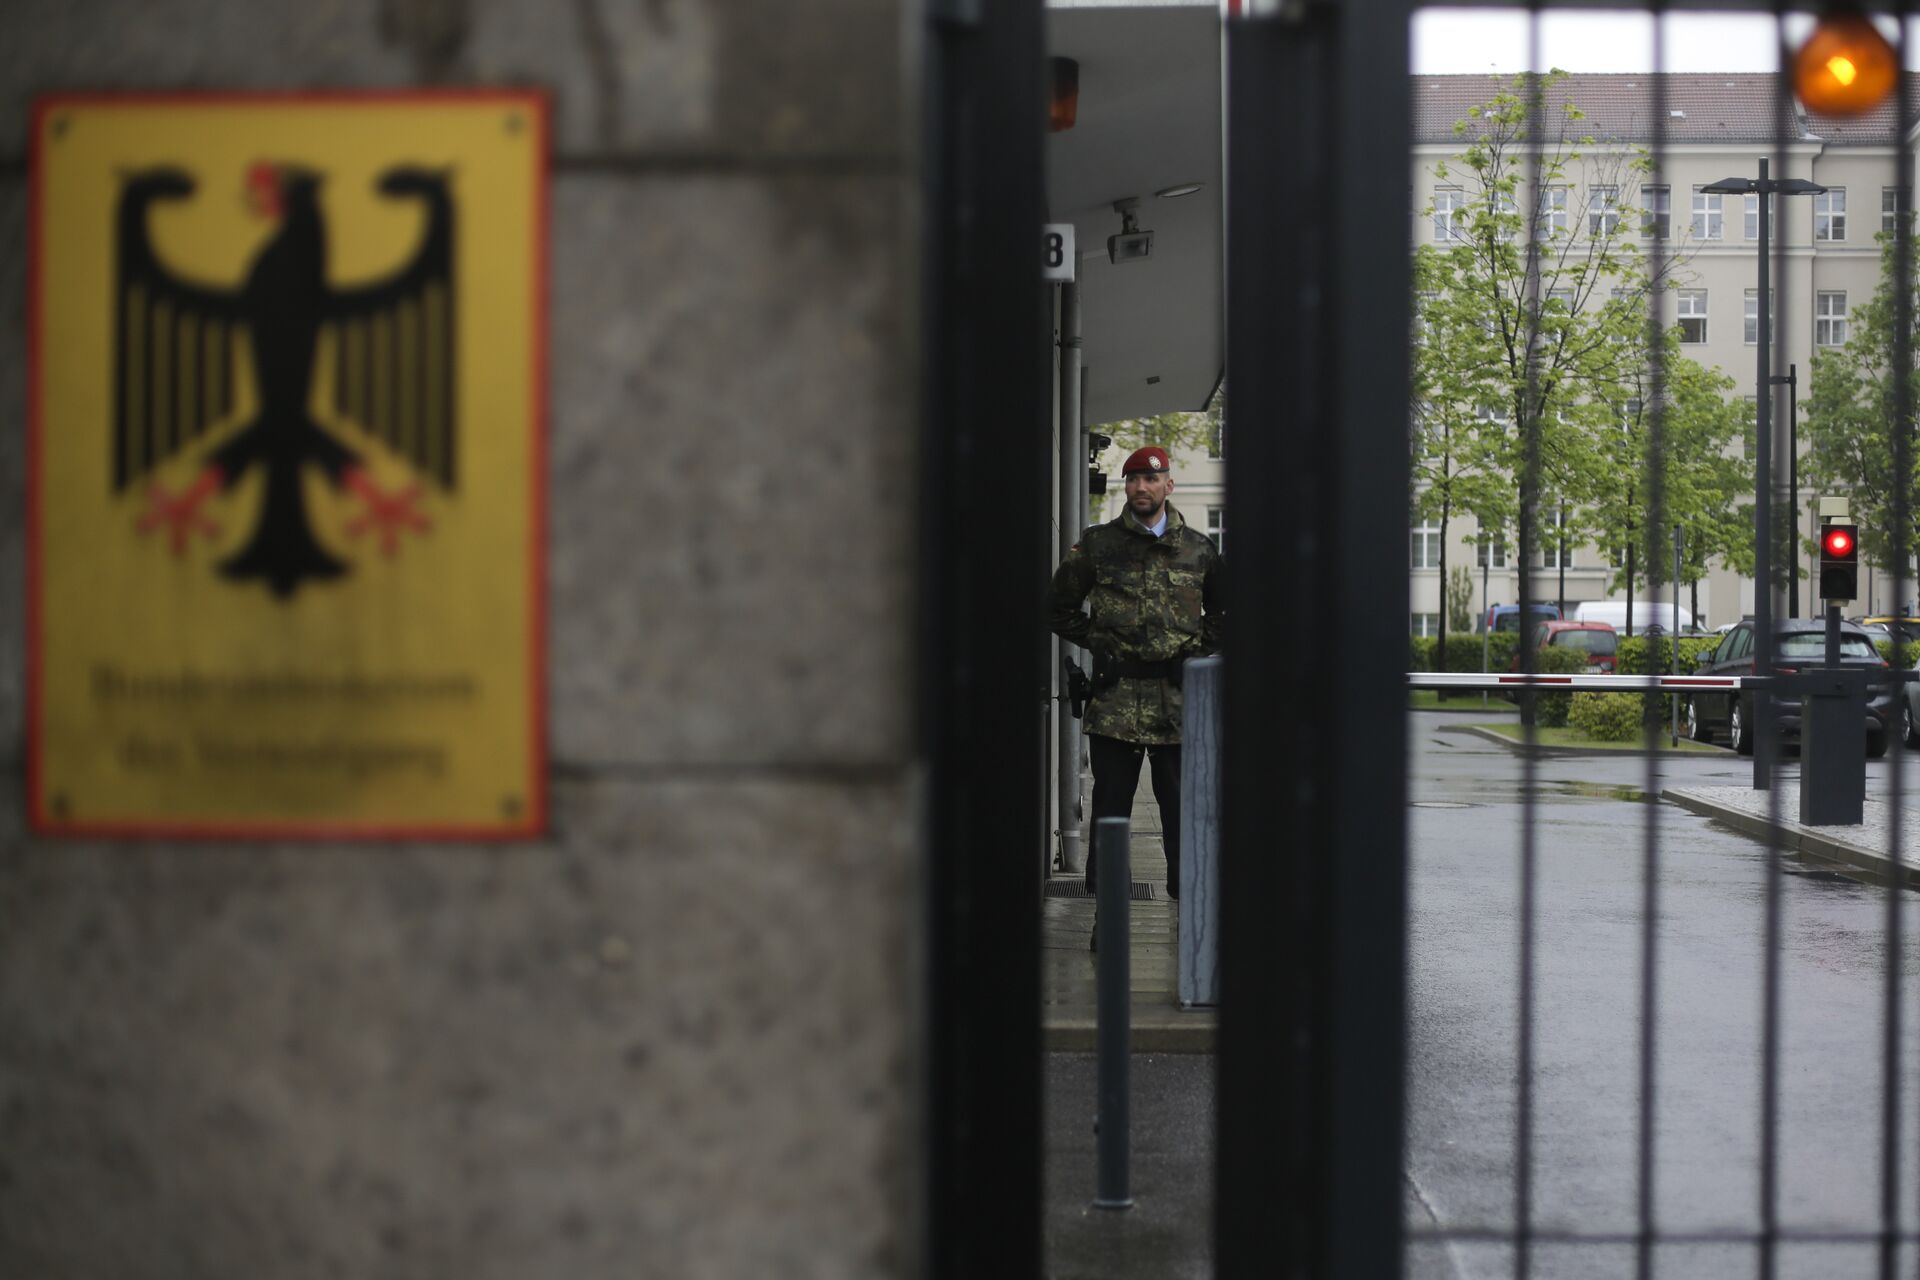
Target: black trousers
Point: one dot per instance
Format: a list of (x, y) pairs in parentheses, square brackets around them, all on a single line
[(1116, 772)]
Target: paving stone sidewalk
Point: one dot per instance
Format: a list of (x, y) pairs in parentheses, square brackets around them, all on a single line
[(1863, 851), (1067, 990)]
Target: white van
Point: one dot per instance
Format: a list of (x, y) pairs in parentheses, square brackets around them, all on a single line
[(1646, 613)]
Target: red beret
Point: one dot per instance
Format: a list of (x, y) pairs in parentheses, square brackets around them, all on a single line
[(1152, 459)]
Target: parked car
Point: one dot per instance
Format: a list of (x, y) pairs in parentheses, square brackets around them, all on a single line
[(1798, 643), (1890, 626), (1646, 614), (1506, 617), (1598, 641)]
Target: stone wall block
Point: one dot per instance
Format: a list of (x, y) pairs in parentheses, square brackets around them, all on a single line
[(731, 453), (673, 1039), (736, 78)]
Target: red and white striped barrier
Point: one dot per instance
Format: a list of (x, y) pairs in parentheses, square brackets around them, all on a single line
[(1606, 684)]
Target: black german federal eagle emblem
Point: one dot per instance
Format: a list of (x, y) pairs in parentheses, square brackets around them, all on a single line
[(181, 345)]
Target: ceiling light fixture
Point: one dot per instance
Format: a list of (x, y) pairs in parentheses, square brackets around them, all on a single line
[(1179, 189)]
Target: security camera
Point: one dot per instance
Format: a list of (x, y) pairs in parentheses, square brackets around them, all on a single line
[(1132, 244)]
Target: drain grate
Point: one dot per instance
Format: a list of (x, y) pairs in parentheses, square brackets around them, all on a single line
[(1064, 887)]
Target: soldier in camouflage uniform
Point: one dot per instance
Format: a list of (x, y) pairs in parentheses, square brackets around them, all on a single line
[(1152, 588)]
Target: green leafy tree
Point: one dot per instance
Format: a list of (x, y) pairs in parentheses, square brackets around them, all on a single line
[(1701, 480), (1850, 421), (1548, 338)]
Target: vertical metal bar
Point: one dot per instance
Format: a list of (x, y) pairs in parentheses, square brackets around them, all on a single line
[(1531, 411), (1765, 752), (1793, 489), (1902, 398), (1655, 522), (1113, 1011), (1762, 503), (982, 634), (1313, 885), (1073, 518)]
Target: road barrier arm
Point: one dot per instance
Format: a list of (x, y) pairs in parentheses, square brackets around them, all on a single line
[(1496, 681)]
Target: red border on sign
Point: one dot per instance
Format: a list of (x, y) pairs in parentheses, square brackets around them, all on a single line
[(534, 824)]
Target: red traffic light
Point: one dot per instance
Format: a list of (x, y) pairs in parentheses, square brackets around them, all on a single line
[(1837, 543)]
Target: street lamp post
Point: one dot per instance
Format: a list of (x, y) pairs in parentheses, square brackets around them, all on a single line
[(1762, 187)]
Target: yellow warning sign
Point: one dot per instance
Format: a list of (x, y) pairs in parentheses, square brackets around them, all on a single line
[(286, 537)]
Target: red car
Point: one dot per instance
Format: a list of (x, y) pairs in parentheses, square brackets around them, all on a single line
[(1596, 640)]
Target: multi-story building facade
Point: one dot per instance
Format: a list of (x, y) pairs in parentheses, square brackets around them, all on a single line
[(1718, 125)]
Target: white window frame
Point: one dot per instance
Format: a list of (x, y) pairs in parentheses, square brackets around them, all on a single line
[(1709, 215), (1500, 557), (1603, 211), (1889, 209), (1656, 211), (1550, 550), (1217, 528), (1551, 214), (1830, 318), (1751, 217), (1448, 204), (1423, 546), (1423, 624), (1691, 305), (1830, 215)]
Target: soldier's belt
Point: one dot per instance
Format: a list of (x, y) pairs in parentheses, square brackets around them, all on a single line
[(1165, 669)]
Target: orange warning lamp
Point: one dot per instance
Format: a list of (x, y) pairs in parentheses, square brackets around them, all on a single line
[(1846, 67), (1063, 94)]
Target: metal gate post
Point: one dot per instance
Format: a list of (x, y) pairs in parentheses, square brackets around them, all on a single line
[(982, 645), (1313, 857)]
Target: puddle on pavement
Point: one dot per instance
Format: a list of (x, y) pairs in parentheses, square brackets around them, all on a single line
[(1596, 791)]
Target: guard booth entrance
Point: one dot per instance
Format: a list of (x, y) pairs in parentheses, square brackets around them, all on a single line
[(1313, 1045), (1308, 1172)]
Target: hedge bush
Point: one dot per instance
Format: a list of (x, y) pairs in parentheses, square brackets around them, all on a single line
[(1910, 658), (1608, 717), (1463, 652), (1631, 660), (1551, 709)]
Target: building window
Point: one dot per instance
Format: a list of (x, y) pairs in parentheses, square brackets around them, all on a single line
[(1556, 553), (1656, 212), (1217, 440), (1424, 624), (1425, 550), (1889, 209), (1750, 321), (1830, 214), (1603, 210), (1562, 296), (1693, 315), (1830, 319), (1448, 205), (1499, 550), (1217, 527), (1708, 223), (1753, 215), (1552, 213)]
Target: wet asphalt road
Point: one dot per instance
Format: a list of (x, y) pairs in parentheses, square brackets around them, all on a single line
[(1591, 831)]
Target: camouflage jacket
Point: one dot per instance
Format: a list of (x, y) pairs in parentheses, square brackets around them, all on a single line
[(1148, 599)]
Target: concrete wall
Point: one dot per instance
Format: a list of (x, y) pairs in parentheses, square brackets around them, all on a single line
[(678, 1038)]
